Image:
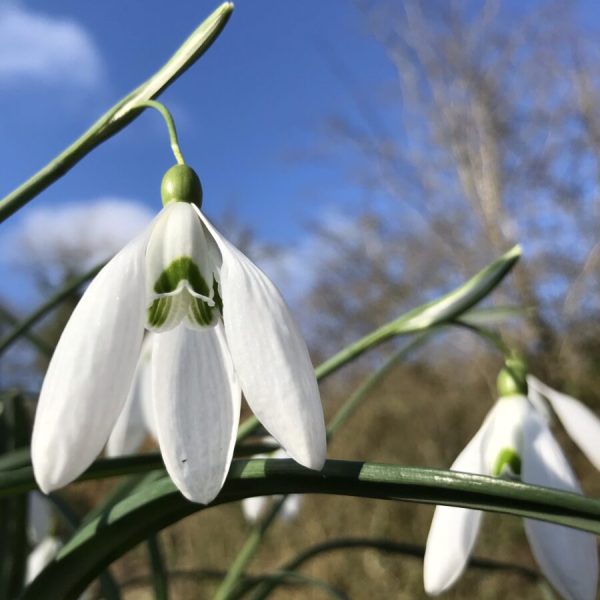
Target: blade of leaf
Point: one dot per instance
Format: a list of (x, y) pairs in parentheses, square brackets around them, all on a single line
[(160, 504)]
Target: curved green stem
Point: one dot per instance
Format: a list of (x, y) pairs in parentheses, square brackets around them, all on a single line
[(23, 326), (166, 115), (263, 589), (122, 113)]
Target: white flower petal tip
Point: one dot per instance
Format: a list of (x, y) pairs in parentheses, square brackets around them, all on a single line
[(582, 425), (197, 407), (567, 557), (91, 371), (270, 357), (253, 508), (42, 555), (451, 538)]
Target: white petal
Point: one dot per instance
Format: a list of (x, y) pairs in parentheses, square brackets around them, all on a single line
[(253, 508), (131, 427), (454, 530), (270, 357), (579, 421), (567, 557), (197, 408), (39, 518), (40, 557), (179, 269), (91, 371)]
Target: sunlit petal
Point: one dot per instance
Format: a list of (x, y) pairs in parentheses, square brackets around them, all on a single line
[(197, 408), (568, 557), (91, 371), (454, 530), (580, 422), (270, 357)]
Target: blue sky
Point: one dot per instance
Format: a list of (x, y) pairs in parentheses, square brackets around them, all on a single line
[(258, 95), (255, 99)]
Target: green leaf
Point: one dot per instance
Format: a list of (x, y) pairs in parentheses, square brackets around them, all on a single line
[(160, 504)]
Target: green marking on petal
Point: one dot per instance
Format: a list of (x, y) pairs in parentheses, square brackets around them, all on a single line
[(181, 269), (508, 462), (159, 311), (217, 297)]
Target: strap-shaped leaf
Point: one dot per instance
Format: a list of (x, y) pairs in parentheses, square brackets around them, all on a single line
[(159, 504)]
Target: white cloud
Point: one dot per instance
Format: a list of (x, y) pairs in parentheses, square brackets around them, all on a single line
[(53, 242), (48, 49)]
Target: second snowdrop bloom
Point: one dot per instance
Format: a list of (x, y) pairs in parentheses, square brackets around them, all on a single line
[(515, 442), (221, 327)]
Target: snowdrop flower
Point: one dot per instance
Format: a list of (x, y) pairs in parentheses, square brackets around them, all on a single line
[(222, 328), (514, 441), (254, 508), (582, 425)]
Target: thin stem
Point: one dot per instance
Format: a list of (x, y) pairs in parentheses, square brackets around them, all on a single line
[(37, 341), (247, 552), (166, 115), (122, 113), (263, 589), (494, 339), (250, 547), (45, 308), (355, 399), (160, 582)]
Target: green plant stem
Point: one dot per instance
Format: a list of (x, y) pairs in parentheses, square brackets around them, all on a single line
[(166, 115), (245, 555), (23, 326), (37, 341), (250, 547), (264, 588), (160, 582), (122, 113), (355, 399)]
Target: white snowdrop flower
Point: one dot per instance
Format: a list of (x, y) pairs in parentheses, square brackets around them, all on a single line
[(221, 328), (514, 441), (582, 425)]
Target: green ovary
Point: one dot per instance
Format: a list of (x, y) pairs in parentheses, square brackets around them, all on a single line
[(509, 460)]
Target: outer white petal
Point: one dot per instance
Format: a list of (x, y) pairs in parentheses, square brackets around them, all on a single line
[(537, 399), (567, 557), (580, 422), (291, 507), (91, 371), (454, 530), (41, 556), (131, 427), (197, 408), (270, 357)]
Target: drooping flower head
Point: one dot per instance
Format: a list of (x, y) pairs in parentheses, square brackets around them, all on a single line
[(221, 327), (514, 442)]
